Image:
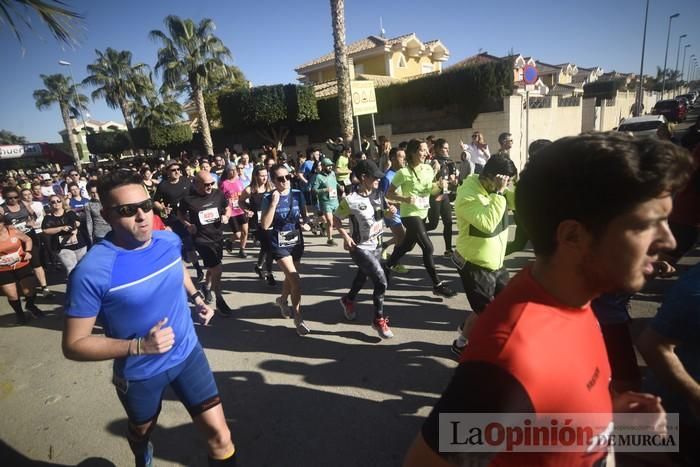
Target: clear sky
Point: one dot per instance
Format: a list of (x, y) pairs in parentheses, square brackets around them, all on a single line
[(269, 38)]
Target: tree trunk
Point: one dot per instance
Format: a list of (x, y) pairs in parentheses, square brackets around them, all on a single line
[(71, 135), (203, 122), (342, 71), (124, 106)]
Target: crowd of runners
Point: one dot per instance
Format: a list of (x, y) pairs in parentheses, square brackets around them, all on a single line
[(120, 235)]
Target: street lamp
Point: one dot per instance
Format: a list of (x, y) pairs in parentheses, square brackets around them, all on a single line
[(687, 77), (668, 38), (640, 89), (77, 101), (678, 55), (685, 49)]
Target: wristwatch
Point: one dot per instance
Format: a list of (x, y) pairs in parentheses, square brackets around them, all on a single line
[(193, 297)]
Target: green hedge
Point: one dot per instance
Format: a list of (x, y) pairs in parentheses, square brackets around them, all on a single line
[(108, 142), (162, 137), (264, 106)]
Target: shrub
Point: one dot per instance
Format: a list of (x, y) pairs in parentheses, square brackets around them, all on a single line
[(108, 142)]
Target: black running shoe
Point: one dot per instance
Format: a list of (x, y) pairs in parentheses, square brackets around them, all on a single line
[(36, 312), (223, 308), (442, 290), (258, 270), (271, 280), (206, 291)]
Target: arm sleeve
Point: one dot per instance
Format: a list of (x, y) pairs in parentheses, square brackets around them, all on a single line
[(87, 286), (497, 391), (485, 218), (88, 221)]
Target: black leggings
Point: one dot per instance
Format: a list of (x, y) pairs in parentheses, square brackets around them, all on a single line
[(441, 210), (368, 265), (264, 256), (415, 233)]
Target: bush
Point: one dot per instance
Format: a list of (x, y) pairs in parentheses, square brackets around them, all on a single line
[(265, 106), (162, 137), (108, 142)]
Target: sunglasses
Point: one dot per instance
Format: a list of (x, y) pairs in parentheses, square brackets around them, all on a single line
[(175, 170), (209, 184), (130, 210), (283, 178), (12, 197), (55, 201)]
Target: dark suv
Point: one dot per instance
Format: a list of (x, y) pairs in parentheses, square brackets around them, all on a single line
[(673, 110)]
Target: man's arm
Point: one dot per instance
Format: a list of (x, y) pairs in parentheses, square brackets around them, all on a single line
[(203, 310), (659, 353), (79, 343)]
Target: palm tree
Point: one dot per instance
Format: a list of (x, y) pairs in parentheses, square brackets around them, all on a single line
[(59, 19), (59, 89), (188, 57), (342, 71), (7, 137), (118, 80), (156, 111)]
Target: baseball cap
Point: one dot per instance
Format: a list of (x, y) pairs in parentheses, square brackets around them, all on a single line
[(45, 177), (367, 167), (326, 162), (172, 162)]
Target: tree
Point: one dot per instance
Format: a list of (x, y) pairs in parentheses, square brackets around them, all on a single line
[(109, 142), (156, 111), (222, 81), (161, 137), (7, 137), (270, 111), (342, 71), (60, 90), (59, 19), (117, 80), (188, 58)]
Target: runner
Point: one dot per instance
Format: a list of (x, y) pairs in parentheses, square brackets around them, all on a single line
[(167, 198), (204, 213), (325, 187), (135, 282), (283, 211), (21, 215), (416, 184), (397, 158), (15, 268), (440, 207), (63, 228), (252, 197), (366, 209), (537, 348), (232, 188)]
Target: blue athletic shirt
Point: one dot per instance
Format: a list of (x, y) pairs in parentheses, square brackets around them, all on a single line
[(130, 291), (284, 220), (384, 184)]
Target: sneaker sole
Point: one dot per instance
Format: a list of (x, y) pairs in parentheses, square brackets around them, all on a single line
[(302, 330), (380, 333)]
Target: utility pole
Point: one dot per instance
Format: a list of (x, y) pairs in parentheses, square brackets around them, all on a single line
[(668, 38)]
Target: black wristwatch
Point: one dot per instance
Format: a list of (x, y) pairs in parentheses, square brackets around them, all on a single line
[(193, 297)]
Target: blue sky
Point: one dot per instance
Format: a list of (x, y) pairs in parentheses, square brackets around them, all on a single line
[(269, 38)]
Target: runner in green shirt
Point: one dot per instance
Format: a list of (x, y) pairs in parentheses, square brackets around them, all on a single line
[(326, 188)]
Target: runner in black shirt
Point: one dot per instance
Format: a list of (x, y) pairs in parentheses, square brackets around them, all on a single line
[(204, 213), (167, 198)]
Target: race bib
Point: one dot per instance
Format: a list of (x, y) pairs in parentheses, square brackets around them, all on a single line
[(209, 216), (287, 238), (9, 260), (347, 182), (423, 202), (376, 229), (332, 193), (234, 202)]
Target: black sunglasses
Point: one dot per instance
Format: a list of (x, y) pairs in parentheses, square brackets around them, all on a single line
[(283, 178), (130, 210), (210, 184), (12, 197), (176, 169)]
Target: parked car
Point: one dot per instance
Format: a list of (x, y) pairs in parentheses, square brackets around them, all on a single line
[(673, 110), (684, 100), (646, 125), (690, 97)]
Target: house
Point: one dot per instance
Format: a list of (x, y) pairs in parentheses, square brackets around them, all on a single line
[(519, 64), (382, 60), (90, 126)]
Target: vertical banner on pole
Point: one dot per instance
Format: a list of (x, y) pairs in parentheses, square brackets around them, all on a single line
[(359, 137)]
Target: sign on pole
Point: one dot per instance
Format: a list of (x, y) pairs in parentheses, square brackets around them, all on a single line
[(364, 100), (530, 74)]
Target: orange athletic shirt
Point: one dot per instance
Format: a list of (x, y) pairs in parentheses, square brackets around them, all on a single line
[(11, 252), (556, 352)]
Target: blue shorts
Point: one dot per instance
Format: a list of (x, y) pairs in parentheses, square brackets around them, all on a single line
[(192, 381), (392, 221)]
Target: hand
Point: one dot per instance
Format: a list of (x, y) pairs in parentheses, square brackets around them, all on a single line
[(67, 228), (159, 339), (27, 256), (224, 219), (463, 145), (349, 244), (204, 312), (275, 197), (637, 402), (249, 213), (392, 209), (501, 182)]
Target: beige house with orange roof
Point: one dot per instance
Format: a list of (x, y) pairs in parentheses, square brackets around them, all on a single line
[(381, 60)]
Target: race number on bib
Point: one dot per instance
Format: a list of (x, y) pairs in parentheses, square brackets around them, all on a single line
[(423, 202), (9, 260), (376, 229), (22, 227), (332, 194), (287, 238), (209, 216)]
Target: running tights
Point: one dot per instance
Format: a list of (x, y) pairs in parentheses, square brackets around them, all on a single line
[(368, 265), (415, 233), (441, 210)]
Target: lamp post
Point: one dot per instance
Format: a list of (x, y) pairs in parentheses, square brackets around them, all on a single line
[(678, 55), (685, 50), (80, 110), (691, 59), (640, 88), (668, 38)]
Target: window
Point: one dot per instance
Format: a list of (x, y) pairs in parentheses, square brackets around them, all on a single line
[(402, 61), (426, 68)]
